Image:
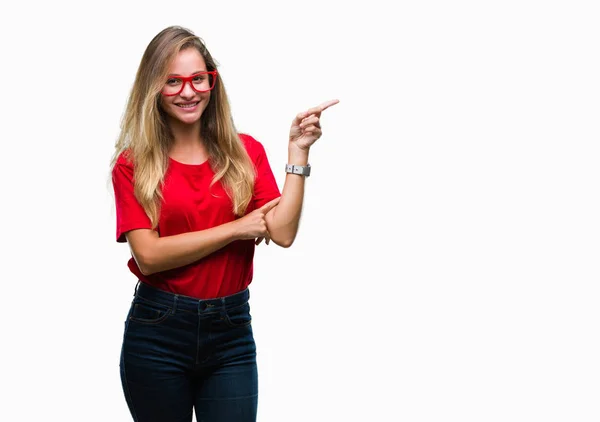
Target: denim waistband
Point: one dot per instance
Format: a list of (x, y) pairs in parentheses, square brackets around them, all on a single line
[(190, 304)]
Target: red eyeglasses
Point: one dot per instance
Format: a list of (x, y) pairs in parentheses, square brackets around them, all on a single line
[(200, 82)]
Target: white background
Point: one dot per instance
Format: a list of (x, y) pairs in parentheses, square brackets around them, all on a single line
[(447, 263)]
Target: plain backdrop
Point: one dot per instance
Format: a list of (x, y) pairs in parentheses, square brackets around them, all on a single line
[(446, 267)]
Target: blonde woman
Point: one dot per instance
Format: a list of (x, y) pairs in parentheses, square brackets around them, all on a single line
[(193, 198)]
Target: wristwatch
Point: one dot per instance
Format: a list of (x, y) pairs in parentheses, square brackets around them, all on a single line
[(303, 170)]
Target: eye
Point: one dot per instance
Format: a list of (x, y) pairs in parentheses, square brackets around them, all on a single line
[(199, 78), (173, 81)]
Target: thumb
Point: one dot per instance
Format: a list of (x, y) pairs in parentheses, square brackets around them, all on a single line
[(270, 205)]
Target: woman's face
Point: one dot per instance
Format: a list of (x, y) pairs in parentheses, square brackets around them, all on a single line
[(187, 106)]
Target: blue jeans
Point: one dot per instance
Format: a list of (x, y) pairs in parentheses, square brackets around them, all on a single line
[(181, 353)]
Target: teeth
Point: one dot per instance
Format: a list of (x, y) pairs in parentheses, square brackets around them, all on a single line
[(188, 105)]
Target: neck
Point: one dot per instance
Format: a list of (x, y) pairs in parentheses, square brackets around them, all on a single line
[(188, 146), (186, 137)]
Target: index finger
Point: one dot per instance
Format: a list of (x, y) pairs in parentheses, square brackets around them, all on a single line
[(270, 205), (320, 108), (315, 110)]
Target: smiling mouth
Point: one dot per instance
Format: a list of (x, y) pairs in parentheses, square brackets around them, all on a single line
[(191, 105)]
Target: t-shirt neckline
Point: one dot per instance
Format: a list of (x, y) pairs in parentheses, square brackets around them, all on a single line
[(188, 166)]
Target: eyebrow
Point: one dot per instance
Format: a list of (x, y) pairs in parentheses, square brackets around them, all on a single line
[(193, 73)]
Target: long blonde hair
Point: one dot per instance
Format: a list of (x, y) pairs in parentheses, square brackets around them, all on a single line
[(145, 136)]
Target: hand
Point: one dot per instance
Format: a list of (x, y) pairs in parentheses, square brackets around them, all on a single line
[(306, 127), (253, 225)]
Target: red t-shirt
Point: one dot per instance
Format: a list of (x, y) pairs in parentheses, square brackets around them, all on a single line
[(187, 206)]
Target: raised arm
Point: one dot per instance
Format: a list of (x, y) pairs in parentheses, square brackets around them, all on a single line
[(283, 220)]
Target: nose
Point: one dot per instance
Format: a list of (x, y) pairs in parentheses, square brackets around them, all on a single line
[(187, 90)]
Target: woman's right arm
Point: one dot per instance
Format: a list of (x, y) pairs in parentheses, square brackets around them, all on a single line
[(154, 254)]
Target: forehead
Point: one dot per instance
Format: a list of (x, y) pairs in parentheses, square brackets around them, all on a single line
[(187, 62)]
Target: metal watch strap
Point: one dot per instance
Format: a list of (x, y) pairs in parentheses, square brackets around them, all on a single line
[(303, 170)]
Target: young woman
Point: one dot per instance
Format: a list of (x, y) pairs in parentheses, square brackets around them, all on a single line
[(193, 198)]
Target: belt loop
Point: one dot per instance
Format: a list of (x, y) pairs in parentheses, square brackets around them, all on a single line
[(175, 297), (136, 287)]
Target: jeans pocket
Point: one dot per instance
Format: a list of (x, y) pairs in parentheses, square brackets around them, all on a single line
[(147, 312), (238, 316)]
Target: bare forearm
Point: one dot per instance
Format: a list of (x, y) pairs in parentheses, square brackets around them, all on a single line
[(283, 220), (166, 253)]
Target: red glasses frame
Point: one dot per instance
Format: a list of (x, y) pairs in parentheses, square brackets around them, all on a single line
[(185, 79)]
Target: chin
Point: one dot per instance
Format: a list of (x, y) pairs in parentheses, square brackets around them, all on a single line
[(187, 118)]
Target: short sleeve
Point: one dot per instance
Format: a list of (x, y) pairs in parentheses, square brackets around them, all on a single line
[(265, 185), (130, 214)]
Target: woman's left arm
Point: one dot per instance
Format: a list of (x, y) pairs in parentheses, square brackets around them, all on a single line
[(283, 220)]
